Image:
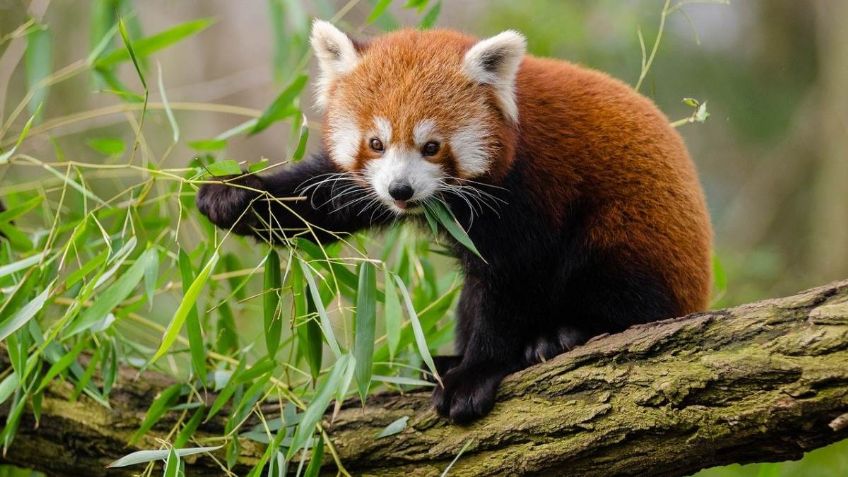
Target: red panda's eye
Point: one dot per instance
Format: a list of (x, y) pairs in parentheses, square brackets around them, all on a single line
[(430, 149), (376, 144)]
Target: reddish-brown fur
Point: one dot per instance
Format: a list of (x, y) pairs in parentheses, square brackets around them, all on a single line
[(587, 136)]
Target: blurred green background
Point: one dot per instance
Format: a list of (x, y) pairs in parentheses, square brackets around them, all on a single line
[(773, 156)]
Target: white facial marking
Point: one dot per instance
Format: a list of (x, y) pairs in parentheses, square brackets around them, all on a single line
[(345, 137), (336, 55), (383, 130), (424, 131), (495, 61), (471, 150), (401, 163)]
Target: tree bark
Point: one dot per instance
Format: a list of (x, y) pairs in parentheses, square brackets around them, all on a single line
[(760, 382)]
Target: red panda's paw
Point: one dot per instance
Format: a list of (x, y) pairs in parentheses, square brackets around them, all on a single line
[(469, 392), (226, 203)]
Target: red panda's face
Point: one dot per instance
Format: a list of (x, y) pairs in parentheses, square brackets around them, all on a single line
[(413, 114)]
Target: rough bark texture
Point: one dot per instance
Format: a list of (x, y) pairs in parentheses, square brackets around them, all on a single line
[(760, 382)]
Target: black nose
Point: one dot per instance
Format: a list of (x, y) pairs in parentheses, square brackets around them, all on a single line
[(401, 190)]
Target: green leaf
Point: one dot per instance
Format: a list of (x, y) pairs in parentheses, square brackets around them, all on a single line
[(175, 128), (188, 302), (4, 158), (282, 107), (144, 47), (402, 380), (691, 102), (258, 166), (313, 413), (195, 333), (172, 464), (108, 146), (26, 313), (151, 275), (271, 303), (208, 145), (420, 339), (21, 264), (326, 325), (378, 10), (392, 314), (62, 364), (145, 456), (130, 51), (395, 427), (364, 326), (445, 217), (227, 391), (189, 428), (13, 213), (8, 386), (309, 340), (19, 240), (301, 144), (112, 296), (432, 15), (224, 168), (314, 467), (38, 64), (86, 268), (157, 409)]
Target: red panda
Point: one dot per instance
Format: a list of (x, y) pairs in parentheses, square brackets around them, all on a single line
[(574, 188)]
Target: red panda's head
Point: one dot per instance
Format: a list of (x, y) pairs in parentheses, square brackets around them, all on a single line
[(413, 112)]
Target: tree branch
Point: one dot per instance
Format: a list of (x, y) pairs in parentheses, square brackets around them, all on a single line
[(760, 382)]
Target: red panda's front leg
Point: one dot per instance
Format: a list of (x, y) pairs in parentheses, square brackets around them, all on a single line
[(491, 338), (313, 199)]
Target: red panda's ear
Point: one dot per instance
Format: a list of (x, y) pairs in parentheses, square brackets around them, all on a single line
[(336, 53), (495, 61)]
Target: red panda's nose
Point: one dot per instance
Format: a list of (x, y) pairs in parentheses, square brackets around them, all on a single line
[(401, 190)]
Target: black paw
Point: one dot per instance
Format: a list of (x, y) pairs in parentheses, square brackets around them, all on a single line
[(468, 393), (226, 203), (547, 347)]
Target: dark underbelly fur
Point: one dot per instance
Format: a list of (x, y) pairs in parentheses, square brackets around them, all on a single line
[(539, 292)]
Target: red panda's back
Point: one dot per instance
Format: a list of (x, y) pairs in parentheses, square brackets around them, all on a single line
[(587, 135)]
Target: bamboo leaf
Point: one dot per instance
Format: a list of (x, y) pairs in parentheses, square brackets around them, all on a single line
[(175, 128), (21, 264), (4, 158), (378, 10), (444, 216), (144, 47), (189, 300), (364, 326), (313, 413), (62, 364), (196, 344), (271, 303), (392, 314), (38, 64), (112, 296), (130, 51), (26, 313), (420, 339), (227, 167), (314, 467), (145, 456), (432, 15), (326, 325), (157, 409), (397, 426), (282, 107), (172, 464)]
